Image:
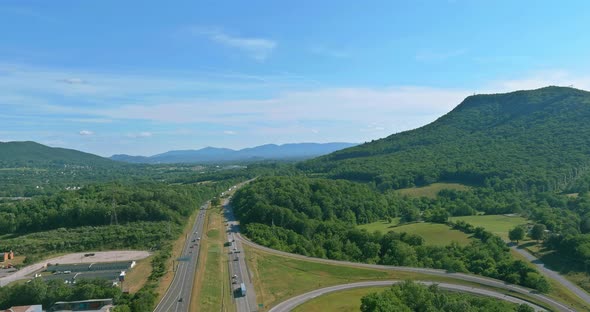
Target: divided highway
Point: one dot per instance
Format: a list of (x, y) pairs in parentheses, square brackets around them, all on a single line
[(554, 304), (178, 295), (238, 266), (290, 304)]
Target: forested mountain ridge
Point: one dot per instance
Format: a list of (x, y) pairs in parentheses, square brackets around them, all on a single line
[(535, 139), (32, 154)]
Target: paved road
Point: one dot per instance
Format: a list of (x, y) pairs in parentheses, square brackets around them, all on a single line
[(99, 256), (290, 304), (178, 295), (556, 305), (554, 275), (238, 266)]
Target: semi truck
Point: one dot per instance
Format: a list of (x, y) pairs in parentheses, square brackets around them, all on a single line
[(243, 289)]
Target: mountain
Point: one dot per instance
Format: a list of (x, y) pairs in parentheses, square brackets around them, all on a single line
[(217, 155), (32, 154), (536, 139)]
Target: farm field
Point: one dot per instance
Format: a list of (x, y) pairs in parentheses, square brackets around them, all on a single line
[(497, 224), (431, 190)]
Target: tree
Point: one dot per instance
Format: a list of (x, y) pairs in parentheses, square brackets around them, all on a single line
[(525, 308), (516, 234), (538, 232)]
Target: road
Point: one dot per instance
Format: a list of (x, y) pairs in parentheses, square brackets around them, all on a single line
[(459, 276), (554, 275), (99, 256), (178, 295), (290, 304), (238, 266)]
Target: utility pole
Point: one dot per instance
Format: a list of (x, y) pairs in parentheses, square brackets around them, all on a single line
[(114, 214)]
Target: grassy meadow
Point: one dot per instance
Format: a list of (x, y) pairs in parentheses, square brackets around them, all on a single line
[(497, 224), (431, 191)]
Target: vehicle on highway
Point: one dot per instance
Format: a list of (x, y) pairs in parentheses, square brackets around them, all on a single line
[(180, 299), (243, 289)]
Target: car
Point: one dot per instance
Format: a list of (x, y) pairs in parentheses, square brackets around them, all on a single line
[(234, 282), (198, 238), (180, 299), (235, 276)]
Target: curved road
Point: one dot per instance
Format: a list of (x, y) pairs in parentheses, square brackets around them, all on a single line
[(554, 275), (290, 304), (178, 295), (556, 305)]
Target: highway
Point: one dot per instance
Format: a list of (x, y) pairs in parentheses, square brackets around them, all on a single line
[(554, 304), (554, 275), (238, 266), (178, 295), (290, 304)]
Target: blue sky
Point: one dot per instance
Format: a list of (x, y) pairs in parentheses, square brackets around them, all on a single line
[(144, 77)]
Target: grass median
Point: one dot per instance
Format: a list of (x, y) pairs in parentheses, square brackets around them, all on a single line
[(212, 291)]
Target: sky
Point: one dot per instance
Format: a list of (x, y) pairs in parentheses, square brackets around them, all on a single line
[(144, 77)]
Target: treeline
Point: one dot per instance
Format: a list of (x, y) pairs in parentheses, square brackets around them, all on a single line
[(46, 293), (96, 205), (285, 200), (134, 235), (410, 296), (316, 217)]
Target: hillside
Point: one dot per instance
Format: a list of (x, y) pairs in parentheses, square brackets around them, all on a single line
[(223, 155), (534, 139), (32, 154)]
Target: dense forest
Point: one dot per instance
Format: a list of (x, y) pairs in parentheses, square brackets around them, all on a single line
[(96, 205), (526, 140), (410, 297), (317, 217)]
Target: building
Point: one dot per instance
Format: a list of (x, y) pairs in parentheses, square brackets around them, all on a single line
[(5, 256), (31, 308), (92, 305)]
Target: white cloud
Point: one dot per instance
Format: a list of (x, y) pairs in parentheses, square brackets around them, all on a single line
[(143, 134), (85, 132), (540, 79), (257, 48), (230, 132)]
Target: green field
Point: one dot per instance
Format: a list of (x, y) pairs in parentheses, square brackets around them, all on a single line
[(434, 233), (432, 190), (382, 225), (269, 273), (340, 301), (497, 224)]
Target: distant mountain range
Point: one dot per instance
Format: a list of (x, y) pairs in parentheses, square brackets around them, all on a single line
[(218, 155)]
